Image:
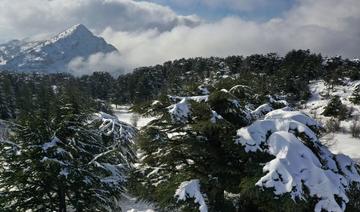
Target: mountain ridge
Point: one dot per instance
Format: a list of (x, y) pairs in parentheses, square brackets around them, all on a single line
[(53, 54)]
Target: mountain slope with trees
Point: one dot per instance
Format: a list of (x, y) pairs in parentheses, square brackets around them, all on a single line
[(225, 136)]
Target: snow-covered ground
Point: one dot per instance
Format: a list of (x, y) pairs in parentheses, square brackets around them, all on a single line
[(339, 142), (343, 143), (123, 114), (318, 100), (131, 204)]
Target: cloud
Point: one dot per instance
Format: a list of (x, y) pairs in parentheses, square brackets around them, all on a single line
[(232, 5), (326, 26), (110, 62), (240, 5), (147, 33), (24, 18)]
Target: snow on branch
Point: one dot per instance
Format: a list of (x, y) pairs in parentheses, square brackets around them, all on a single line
[(191, 189), (302, 166), (111, 125)]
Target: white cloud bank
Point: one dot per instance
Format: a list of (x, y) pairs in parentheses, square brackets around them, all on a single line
[(327, 26), (233, 5), (111, 62), (22, 18)]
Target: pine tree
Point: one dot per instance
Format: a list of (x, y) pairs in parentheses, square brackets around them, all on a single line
[(335, 108), (66, 158), (202, 154), (7, 98), (355, 97), (191, 142)]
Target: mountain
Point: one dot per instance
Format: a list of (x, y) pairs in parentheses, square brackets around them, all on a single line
[(54, 54)]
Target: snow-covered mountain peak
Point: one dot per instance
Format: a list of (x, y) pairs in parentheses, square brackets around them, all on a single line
[(76, 28), (53, 54), (76, 31)]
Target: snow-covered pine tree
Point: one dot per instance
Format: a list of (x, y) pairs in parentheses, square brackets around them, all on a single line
[(199, 156), (7, 99), (355, 97), (70, 160), (335, 108), (191, 141), (303, 169)]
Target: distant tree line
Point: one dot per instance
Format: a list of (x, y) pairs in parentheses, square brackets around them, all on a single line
[(286, 76)]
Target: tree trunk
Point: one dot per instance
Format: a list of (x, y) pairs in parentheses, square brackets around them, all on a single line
[(220, 200), (217, 199), (62, 202)]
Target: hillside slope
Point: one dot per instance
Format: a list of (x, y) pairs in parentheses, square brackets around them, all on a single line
[(340, 141)]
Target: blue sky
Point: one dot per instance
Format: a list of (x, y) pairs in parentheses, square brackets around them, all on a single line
[(254, 10)]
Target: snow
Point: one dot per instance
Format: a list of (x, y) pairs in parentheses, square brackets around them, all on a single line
[(124, 114), (272, 100), (53, 160), (356, 60), (64, 172), (338, 142), (180, 112), (295, 165), (262, 110), (50, 144), (215, 116), (110, 124), (122, 117), (191, 189), (344, 144), (55, 53), (156, 102), (117, 177), (202, 98), (237, 87), (132, 204), (203, 90), (4, 131), (301, 117), (319, 99), (255, 135), (2, 60)]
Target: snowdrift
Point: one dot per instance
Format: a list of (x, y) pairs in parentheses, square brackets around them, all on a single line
[(302, 165)]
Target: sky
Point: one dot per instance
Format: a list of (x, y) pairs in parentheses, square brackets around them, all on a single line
[(258, 10), (154, 31)]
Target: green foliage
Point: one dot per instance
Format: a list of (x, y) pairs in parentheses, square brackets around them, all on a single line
[(43, 107), (355, 97), (7, 99), (184, 151), (21, 94), (203, 148), (335, 108), (57, 158), (354, 200), (264, 74), (229, 107)]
